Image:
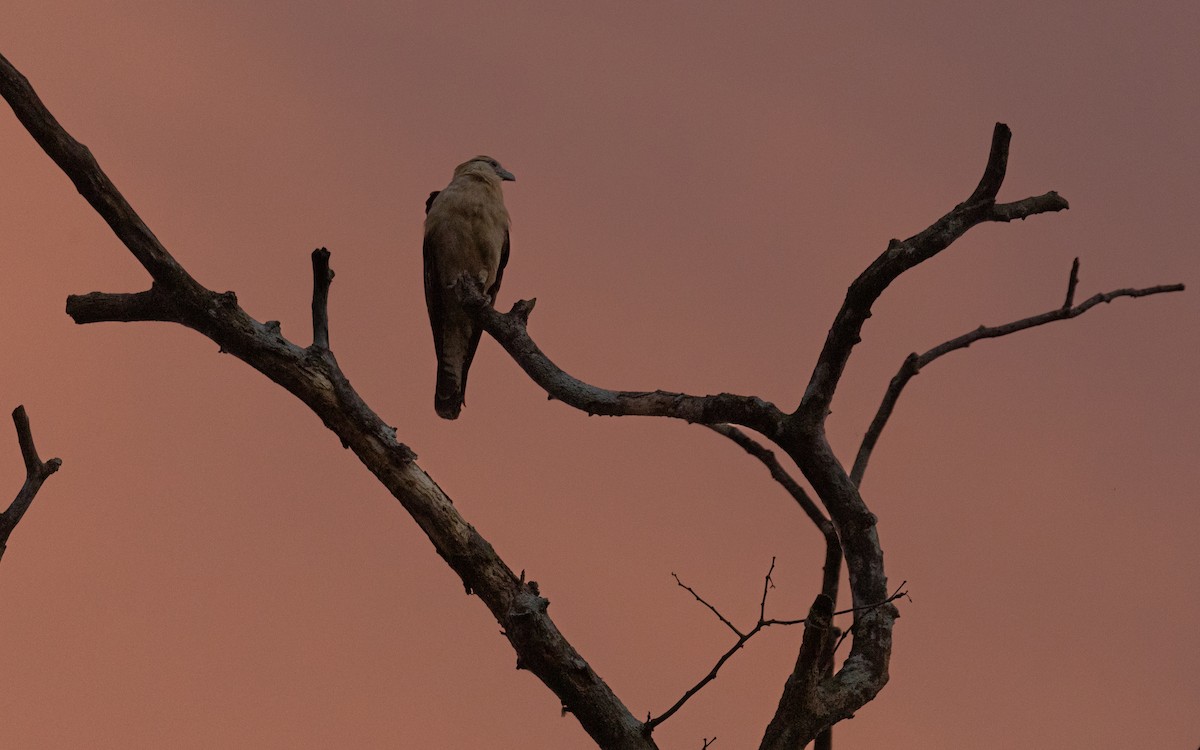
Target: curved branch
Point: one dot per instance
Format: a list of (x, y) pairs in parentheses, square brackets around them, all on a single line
[(833, 545), (511, 331), (899, 257), (313, 376), (813, 700), (36, 472), (914, 362)]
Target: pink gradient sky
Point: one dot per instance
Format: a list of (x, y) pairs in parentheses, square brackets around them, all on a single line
[(697, 185)]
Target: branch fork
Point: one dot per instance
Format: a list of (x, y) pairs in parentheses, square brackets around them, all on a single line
[(814, 696), (36, 473)]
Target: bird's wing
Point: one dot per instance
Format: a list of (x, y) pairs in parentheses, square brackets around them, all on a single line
[(495, 288), (430, 199), (433, 294), (477, 331)]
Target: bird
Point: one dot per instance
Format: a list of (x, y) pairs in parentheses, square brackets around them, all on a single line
[(466, 232)]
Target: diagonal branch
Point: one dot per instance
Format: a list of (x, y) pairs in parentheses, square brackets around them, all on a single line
[(914, 362), (313, 376), (742, 638), (36, 472), (724, 620), (833, 552), (901, 256), (833, 545), (813, 699), (77, 162)]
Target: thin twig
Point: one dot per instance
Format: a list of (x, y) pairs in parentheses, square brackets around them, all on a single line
[(763, 623), (767, 584), (833, 545), (913, 363), (713, 609), (778, 473), (653, 721), (1072, 282), (897, 594)]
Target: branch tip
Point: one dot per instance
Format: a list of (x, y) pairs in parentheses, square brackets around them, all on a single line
[(1072, 282), (913, 363), (997, 165), (36, 473), (322, 278)]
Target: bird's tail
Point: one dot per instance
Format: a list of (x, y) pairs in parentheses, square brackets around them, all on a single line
[(448, 399)]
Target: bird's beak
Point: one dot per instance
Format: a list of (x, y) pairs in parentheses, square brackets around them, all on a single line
[(505, 174)]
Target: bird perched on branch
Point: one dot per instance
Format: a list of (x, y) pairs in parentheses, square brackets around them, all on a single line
[(466, 232)]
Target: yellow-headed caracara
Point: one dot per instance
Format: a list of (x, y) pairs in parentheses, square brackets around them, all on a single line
[(466, 232)]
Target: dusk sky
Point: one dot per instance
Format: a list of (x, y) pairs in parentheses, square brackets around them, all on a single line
[(697, 184)]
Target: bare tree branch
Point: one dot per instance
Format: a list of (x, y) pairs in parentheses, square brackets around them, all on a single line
[(833, 545), (313, 376), (812, 701), (74, 159), (794, 723), (914, 362), (713, 609), (511, 331), (322, 278), (804, 710), (813, 698), (742, 638), (901, 256), (833, 550), (36, 472), (1072, 282), (899, 593)]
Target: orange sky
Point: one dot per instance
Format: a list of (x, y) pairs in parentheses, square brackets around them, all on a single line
[(696, 187)]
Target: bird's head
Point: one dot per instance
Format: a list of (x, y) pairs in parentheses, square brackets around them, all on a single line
[(485, 167)]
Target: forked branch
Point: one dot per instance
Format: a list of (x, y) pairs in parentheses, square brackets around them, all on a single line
[(901, 256), (833, 546), (915, 362), (813, 698), (36, 472), (313, 375), (742, 637)]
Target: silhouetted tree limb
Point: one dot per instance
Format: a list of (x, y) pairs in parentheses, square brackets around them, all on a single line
[(313, 375), (914, 362), (742, 638), (36, 472), (833, 546), (511, 331), (813, 698), (815, 695), (902, 256)]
